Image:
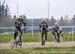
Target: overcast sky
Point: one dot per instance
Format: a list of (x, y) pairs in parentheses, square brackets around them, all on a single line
[(39, 8)]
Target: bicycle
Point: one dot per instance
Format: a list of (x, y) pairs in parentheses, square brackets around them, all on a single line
[(18, 41)]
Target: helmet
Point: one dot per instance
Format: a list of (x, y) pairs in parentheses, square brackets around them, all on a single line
[(56, 24)]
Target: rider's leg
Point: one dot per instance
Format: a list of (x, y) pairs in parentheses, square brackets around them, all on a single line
[(20, 41), (20, 33), (58, 38), (46, 36), (42, 38), (15, 35), (55, 35)]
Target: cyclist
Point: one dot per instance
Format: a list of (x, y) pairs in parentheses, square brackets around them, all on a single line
[(56, 29), (43, 29), (18, 24)]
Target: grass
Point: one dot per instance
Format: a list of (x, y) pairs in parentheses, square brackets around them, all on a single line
[(45, 50), (34, 38), (37, 38)]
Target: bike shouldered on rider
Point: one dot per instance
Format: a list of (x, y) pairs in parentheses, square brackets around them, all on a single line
[(57, 31), (18, 31)]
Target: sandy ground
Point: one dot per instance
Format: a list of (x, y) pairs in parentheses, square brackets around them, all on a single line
[(38, 44)]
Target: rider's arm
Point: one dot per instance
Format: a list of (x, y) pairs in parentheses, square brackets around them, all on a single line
[(15, 23), (40, 27), (47, 27), (23, 22), (61, 32), (53, 31)]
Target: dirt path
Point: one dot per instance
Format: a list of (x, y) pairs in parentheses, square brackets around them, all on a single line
[(38, 44)]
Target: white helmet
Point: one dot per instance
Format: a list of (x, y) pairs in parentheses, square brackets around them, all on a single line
[(56, 24)]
